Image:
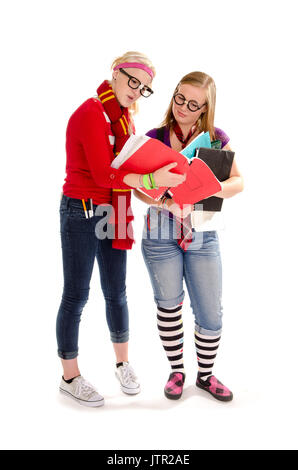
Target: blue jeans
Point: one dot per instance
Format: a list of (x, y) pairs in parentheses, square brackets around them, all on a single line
[(80, 247), (199, 266)]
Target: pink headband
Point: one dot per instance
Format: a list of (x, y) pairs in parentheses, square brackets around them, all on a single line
[(136, 65)]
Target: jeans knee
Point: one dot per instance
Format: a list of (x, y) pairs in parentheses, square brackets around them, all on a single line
[(116, 301), (75, 301)]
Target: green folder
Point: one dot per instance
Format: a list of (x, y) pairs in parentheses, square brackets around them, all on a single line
[(216, 144)]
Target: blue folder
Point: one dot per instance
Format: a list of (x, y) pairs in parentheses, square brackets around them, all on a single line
[(202, 140)]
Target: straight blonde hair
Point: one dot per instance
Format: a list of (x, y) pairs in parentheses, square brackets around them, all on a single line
[(206, 120), (133, 56)]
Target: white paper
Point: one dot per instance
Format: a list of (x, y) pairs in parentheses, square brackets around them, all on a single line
[(130, 147)]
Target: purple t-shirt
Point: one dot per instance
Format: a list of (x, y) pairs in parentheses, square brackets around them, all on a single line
[(219, 135)]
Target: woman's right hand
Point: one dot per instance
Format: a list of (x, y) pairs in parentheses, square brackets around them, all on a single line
[(164, 177)]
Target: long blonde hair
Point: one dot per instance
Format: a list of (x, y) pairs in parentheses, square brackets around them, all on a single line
[(206, 120), (133, 56)]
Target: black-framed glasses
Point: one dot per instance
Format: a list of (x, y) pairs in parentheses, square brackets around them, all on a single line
[(192, 105), (135, 84)]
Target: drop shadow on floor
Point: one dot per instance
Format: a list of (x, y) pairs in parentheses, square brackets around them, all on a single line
[(137, 403)]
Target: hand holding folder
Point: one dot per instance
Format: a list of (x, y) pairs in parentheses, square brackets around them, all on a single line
[(200, 183), (142, 154)]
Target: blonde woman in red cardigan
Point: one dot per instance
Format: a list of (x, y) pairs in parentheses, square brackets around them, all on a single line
[(96, 132)]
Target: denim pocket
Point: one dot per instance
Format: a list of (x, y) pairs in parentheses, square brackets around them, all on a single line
[(210, 235), (76, 213), (75, 210), (210, 243)]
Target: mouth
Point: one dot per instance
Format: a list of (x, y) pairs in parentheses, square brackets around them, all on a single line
[(180, 114), (131, 98)]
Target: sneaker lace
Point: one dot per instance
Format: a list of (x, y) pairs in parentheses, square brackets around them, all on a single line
[(128, 374), (84, 388)]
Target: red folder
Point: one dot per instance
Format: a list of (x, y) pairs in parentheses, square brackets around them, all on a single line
[(151, 156), (200, 181)]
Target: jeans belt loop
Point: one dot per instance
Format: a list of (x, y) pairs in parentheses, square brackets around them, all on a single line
[(67, 201)]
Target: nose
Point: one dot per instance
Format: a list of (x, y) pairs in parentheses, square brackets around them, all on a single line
[(137, 93), (134, 93)]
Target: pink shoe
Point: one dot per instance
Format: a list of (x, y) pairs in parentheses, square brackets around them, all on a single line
[(174, 387), (215, 387)]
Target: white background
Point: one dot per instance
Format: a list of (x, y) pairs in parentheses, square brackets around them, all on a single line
[(54, 55)]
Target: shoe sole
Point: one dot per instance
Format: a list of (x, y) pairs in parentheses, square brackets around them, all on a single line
[(172, 397), (130, 391), (217, 397), (91, 404)]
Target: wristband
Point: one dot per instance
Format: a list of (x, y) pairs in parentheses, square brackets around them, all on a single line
[(146, 182), (163, 200), (151, 178)]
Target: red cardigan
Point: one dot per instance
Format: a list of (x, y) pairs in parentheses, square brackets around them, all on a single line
[(89, 154)]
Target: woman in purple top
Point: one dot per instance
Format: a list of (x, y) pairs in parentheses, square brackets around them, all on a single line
[(190, 112)]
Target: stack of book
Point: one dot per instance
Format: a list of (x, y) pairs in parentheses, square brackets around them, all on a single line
[(205, 166)]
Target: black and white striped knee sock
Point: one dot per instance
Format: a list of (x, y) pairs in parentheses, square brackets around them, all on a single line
[(170, 328), (206, 348)]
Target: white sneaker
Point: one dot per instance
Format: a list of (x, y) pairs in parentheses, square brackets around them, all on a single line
[(81, 391), (128, 379)]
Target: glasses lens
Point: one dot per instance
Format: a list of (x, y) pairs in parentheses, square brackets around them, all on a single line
[(179, 99), (146, 92), (134, 83), (193, 106)]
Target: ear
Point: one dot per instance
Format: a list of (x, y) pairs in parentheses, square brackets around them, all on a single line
[(115, 74), (203, 111)]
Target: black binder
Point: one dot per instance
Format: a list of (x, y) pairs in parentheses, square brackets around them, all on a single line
[(220, 162)]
